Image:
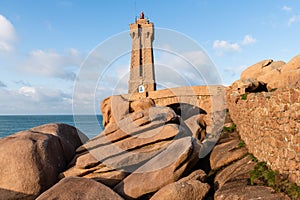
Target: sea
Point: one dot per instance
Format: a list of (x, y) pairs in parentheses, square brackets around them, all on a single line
[(90, 125)]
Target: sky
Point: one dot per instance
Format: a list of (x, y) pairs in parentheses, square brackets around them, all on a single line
[(46, 46)]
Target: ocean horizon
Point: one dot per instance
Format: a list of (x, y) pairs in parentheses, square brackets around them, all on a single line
[(90, 125)]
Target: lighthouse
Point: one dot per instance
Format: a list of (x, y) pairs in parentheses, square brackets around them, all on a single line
[(142, 75)]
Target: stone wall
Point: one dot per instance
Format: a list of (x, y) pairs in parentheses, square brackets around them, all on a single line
[(210, 98), (269, 124)]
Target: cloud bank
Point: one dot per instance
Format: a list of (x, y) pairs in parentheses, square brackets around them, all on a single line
[(49, 63), (7, 35), (34, 100), (226, 45)]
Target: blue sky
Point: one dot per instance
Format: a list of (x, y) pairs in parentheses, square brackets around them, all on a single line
[(44, 43)]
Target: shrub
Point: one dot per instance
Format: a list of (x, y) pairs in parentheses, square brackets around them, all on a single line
[(241, 144), (244, 96), (230, 128)]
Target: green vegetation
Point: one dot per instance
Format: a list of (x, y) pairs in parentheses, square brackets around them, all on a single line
[(241, 144), (230, 128), (244, 96), (254, 159), (262, 175), (291, 189)]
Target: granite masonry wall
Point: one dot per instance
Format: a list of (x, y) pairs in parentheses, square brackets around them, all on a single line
[(269, 124)]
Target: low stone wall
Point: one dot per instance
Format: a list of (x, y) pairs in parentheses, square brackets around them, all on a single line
[(269, 124), (210, 98)]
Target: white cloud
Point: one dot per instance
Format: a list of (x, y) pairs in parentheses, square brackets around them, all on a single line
[(225, 45), (248, 39), (52, 64), (7, 34), (27, 91), (286, 8), (34, 100), (294, 19)]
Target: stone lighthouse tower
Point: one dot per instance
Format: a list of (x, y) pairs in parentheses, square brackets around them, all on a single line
[(142, 77)]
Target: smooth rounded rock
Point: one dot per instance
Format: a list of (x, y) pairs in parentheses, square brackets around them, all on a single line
[(77, 188)]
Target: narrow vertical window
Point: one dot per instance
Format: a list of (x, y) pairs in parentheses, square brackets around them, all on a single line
[(141, 70), (141, 60)]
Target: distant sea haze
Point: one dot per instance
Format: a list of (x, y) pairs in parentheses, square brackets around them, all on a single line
[(10, 124)]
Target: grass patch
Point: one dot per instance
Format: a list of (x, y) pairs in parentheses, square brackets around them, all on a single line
[(241, 144), (254, 159), (230, 128), (291, 189), (263, 175), (244, 96)]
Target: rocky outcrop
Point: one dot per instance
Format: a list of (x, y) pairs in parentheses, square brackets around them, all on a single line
[(31, 160), (270, 74), (165, 168), (144, 147), (139, 154), (124, 146), (261, 68), (147, 152), (268, 121), (79, 188), (192, 187), (289, 75)]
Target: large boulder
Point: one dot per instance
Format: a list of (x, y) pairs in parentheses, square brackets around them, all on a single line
[(165, 168), (273, 74), (70, 137), (292, 65), (30, 161), (187, 188), (225, 153), (77, 188), (261, 68), (289, 75), (114, 108), (239, 170)]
